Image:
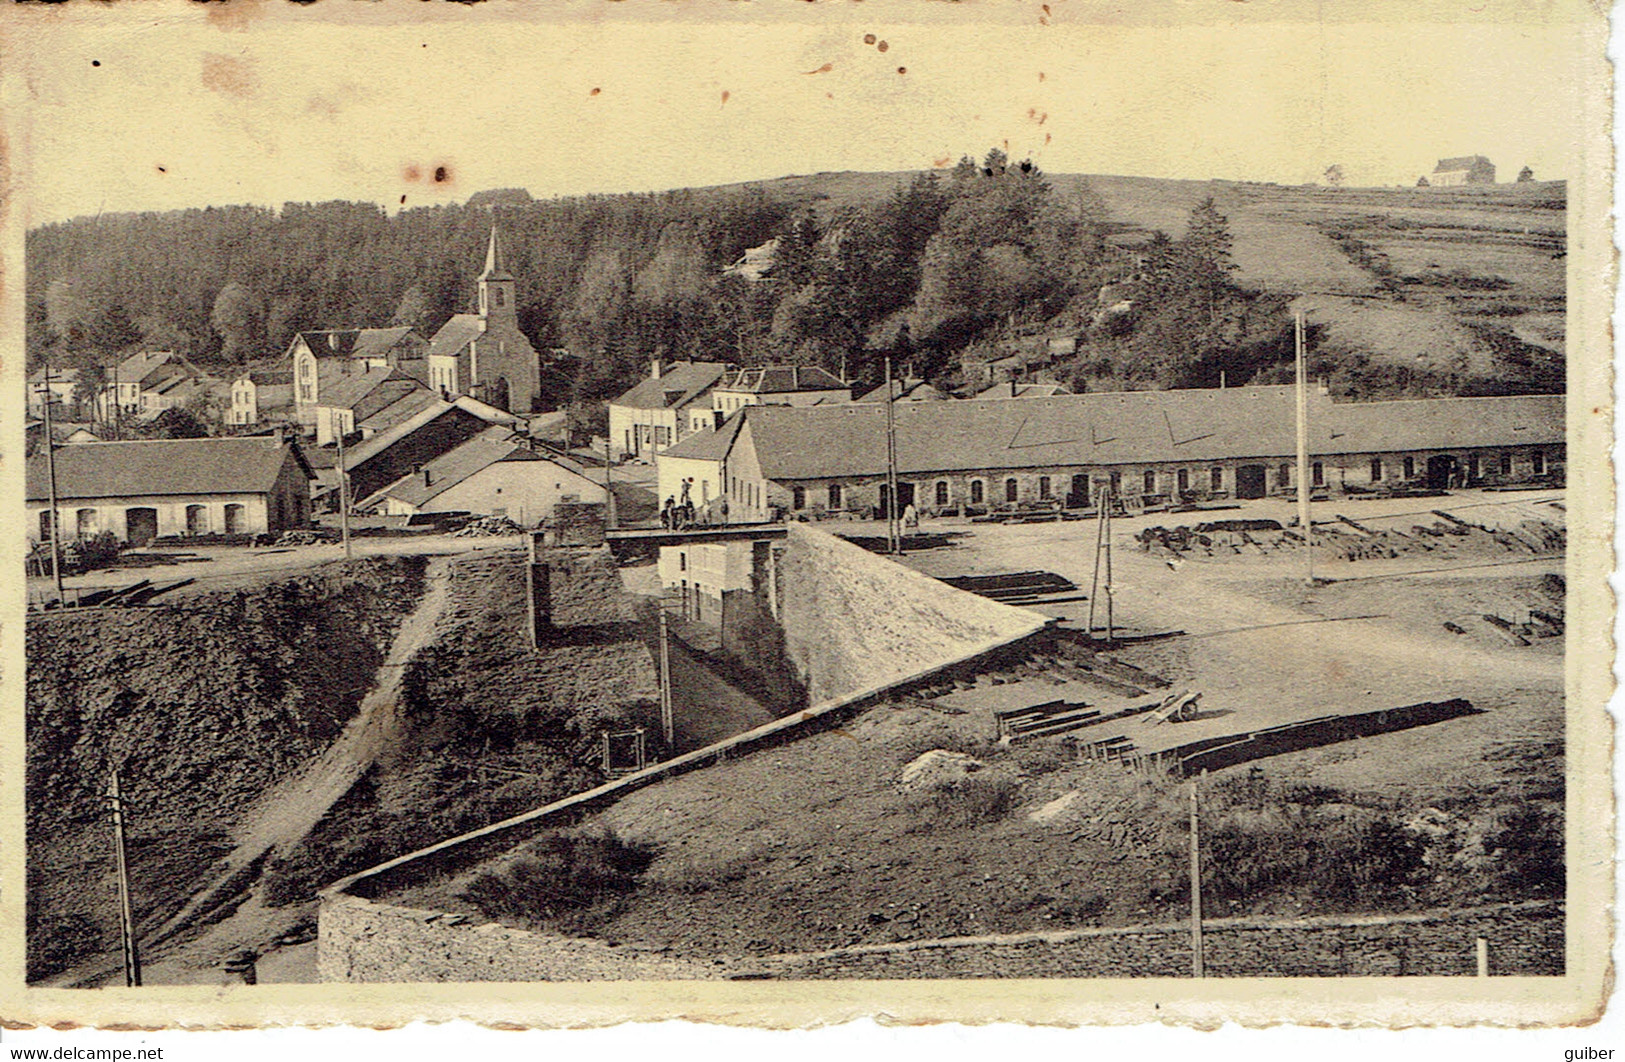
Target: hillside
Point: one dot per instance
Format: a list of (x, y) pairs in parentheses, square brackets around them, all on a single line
[(1158, 282)]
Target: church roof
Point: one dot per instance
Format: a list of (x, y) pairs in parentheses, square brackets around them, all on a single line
[(457, 333)]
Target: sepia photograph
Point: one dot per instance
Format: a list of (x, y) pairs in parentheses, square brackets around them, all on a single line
[(870, 494)]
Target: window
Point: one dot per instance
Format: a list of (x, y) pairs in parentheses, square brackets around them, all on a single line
[(1149, 481), (834, 495), (1410, 468), (1117, 483), (1009, 490), (45, 524), (1318, 472), (1506, 464), (976, 492), (1215, 479), (1184, 479), (1537, 462), (942, 492), (1283, 476), (798, 497), (1474, 470), (497, 293), (682, 560), (1376, 470), (1043, 486)]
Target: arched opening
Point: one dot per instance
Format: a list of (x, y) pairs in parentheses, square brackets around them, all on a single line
[(976, 489), (140, 525), (85, 523), (942, 493), (798, 497), (234, 519), (1010, 490), (197, 520)]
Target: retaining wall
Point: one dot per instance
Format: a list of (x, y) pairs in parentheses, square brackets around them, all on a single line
[(362, 941)]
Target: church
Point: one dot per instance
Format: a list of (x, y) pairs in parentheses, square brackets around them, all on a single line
[(484, 355)]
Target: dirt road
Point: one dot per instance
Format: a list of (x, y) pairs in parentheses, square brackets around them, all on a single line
[(287, 812)]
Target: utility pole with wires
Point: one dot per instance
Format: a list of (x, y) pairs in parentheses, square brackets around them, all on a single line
[(344, 484), (132, 959), (1101, 583), (894, 538), (1305, 523), (668, 723), (46, 400)]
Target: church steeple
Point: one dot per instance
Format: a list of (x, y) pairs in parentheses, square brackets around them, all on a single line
[(494, 267), (496, 283)]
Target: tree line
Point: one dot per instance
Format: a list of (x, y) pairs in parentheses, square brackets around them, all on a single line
[(946, 263)]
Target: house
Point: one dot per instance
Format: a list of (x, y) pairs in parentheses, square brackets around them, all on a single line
[(261, 397), (1014, 389), (719, 472), (1465, 169), (142, 490), (1190, 444), (492, 474), (484, 354), (314, 358), (909, 390), (778, 385), (700, 573), (63, 384), (385, 457), (128, 377), (180, 386), (352, 394), (655, 413), (63, 433)]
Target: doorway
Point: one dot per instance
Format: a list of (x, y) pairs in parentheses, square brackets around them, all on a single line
[(234, 519), (140, 526), (905, 498), (1441, 469), (1250, 481)]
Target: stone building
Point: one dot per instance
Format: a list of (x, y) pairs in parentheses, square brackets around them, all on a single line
[(1149, 446)]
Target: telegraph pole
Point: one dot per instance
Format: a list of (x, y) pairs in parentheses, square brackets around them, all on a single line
[(132, 960), (1304, 486), (894, 539), (667, 722), (1196, 888), (344, 491), (50, 475)]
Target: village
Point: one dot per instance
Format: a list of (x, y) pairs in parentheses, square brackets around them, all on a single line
[(508, 700)]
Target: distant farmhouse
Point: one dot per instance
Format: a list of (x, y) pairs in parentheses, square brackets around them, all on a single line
[(142, 490), (1466, 169), (1148, 445)]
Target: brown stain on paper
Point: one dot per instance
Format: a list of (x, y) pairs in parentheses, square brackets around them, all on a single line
[(229, 76)]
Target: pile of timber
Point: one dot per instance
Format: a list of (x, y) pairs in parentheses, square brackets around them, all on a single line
[(131, 596), (1059, 717), (1018, 588)]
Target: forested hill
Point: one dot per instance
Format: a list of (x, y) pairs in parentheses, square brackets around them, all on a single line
[(1161, 283)]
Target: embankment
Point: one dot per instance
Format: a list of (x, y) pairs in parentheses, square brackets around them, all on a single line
[(203, 703)]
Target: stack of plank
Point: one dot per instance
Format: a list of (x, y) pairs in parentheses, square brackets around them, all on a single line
[(1018, 588), (1042, 720), (130, 596)]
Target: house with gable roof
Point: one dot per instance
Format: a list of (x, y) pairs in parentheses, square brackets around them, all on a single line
[(656, 413)]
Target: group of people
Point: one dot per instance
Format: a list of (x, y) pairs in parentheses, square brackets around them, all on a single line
[(680, 513)]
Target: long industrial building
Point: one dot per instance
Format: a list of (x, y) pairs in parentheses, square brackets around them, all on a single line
[(1185, 445)]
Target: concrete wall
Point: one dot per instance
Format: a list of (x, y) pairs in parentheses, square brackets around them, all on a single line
[(854, 620)]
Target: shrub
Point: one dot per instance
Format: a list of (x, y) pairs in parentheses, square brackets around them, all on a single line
[(1529, 843), (559, 874), (56, 943), (984, 796)]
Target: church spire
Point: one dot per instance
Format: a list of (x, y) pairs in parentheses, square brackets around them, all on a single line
[(494, 267)]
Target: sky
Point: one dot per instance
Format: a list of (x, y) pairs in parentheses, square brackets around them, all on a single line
[(158, 106)]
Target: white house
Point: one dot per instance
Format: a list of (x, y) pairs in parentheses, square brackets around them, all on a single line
[(778, 385), (655, 414), (493, 474)]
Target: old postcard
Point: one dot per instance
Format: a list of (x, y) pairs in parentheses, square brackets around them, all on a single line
[(1037, 512)]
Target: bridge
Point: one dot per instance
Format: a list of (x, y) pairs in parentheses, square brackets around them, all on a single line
[(661, 536)]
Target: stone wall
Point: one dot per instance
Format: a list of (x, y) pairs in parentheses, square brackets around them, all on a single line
[(1523, 940), (362, 941)]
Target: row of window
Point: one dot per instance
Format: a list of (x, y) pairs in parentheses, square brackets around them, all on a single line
[(1476, 466), (87, 522)]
